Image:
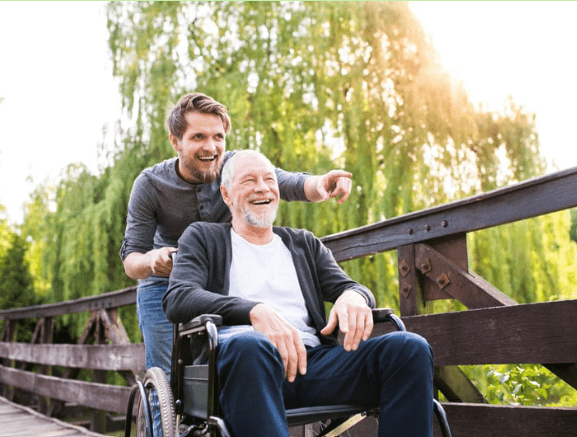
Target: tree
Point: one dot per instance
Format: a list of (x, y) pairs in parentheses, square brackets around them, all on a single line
[(16, 289)]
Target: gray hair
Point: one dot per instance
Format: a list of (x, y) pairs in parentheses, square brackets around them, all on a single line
[(228, 170)]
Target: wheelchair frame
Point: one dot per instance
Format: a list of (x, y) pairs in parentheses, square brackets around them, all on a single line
[(192, 396)]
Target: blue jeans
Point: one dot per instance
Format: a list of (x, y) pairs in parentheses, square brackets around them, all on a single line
[(155, 327), (157, 333), (394, 371)]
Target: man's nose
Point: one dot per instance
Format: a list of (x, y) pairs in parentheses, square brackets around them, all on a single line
[(261, 186), (209, 145)]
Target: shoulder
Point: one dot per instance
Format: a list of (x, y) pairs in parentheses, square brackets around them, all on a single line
[(207, 231), (297, 236), (162, 170)]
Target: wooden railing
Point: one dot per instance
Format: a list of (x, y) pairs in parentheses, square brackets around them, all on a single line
[(432, 260), (103, 347)]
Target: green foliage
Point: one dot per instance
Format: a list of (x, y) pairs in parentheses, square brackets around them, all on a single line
[(526, 384), (16, 284), (314, 86), (573, 229)]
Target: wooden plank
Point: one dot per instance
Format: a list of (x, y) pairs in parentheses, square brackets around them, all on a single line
[(97, 357), (528, 199), (472, 290), (533, 333), (114, 299), (98, 396), (16, 420), (481, 420)]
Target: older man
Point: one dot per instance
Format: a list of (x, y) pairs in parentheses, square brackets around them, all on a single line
[(276, 350), (169, 196)]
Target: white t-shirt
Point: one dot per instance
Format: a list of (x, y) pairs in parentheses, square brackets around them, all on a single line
[(266, 273)]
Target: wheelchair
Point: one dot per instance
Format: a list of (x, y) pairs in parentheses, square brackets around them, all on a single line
[(189, 406)]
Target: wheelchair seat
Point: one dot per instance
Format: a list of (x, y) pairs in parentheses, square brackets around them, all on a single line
[(194, 388)]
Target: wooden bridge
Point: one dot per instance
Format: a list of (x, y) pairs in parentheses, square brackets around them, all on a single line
[(432, 264)]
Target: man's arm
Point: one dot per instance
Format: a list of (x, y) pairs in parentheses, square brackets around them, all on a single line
[(199, 279), (154, 262), (283, 336), (353, 317), (351, 311), (335, 183), (304, 187)]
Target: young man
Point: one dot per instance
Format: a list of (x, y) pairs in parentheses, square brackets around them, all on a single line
[(276, 348), (169, 196)]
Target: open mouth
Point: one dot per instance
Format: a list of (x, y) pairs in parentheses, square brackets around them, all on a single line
[(261, 202), (207, 158)]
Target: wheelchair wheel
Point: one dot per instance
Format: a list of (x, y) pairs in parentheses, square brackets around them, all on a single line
[(155, 380)]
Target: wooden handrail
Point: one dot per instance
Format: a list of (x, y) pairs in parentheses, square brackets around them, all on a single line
[(531, 198), (114, 299)]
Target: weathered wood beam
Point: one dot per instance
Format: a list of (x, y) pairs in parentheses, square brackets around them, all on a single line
[(483, 420), (97, 357), (472, 290), (531, 198), (542, 332), (93, 395), (115, 299), (456, 386)]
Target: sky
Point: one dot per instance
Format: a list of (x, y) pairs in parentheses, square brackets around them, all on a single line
[(58, 91)]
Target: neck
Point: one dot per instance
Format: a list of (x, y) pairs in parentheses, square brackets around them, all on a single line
[(253, 235)]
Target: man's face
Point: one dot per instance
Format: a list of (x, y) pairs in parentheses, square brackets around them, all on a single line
[(201, 150), (253, 195)]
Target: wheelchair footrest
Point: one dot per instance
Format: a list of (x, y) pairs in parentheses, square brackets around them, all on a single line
[(302, 416)]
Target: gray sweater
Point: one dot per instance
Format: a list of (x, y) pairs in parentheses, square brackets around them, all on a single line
[(199, 281)]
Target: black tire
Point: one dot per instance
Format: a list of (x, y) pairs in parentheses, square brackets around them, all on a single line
[(155, 379)]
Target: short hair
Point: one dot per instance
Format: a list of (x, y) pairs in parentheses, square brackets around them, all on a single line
[(228, 169), (195, 102)]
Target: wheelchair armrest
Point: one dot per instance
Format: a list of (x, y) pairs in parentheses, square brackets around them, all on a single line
[(201, 321), (381, 314), (387, 315)]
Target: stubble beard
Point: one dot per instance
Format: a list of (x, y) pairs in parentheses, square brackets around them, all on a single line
[(206, 176), (260, 220)]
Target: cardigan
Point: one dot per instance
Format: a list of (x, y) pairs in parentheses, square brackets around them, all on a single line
[(200, 277)]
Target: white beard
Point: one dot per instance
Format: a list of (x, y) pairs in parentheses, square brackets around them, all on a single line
[(262, 220)]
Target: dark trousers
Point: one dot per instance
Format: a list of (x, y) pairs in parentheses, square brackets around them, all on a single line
[(394, 371)]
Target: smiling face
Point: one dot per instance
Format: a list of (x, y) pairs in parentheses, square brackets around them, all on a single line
[(253, 193), (201, 149)]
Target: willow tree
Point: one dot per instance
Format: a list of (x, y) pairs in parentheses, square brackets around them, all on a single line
[(313, 85), (316, 85)]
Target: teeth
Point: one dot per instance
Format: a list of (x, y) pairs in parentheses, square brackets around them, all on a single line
[(261, 202), (206, 158)]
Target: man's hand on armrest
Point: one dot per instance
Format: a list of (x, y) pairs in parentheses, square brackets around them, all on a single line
[(353, 317), (283, 336), (155, 262)]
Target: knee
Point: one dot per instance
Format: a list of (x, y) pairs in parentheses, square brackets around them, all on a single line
[(412, 349), (250, 349)]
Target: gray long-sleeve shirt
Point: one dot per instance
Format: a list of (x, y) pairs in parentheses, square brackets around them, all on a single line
[(162, 205)]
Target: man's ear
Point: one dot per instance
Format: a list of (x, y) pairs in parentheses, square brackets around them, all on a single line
[(224, 194), (174, 141)]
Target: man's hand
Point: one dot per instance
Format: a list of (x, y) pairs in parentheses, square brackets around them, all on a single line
[(354, 318), (155, 262), (333, 184), (160, 261), (284, 336)]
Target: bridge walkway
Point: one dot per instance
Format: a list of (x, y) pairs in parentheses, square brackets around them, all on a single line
[(19, 421)]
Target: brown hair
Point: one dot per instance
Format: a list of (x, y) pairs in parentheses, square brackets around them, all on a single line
[(195, 102)]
